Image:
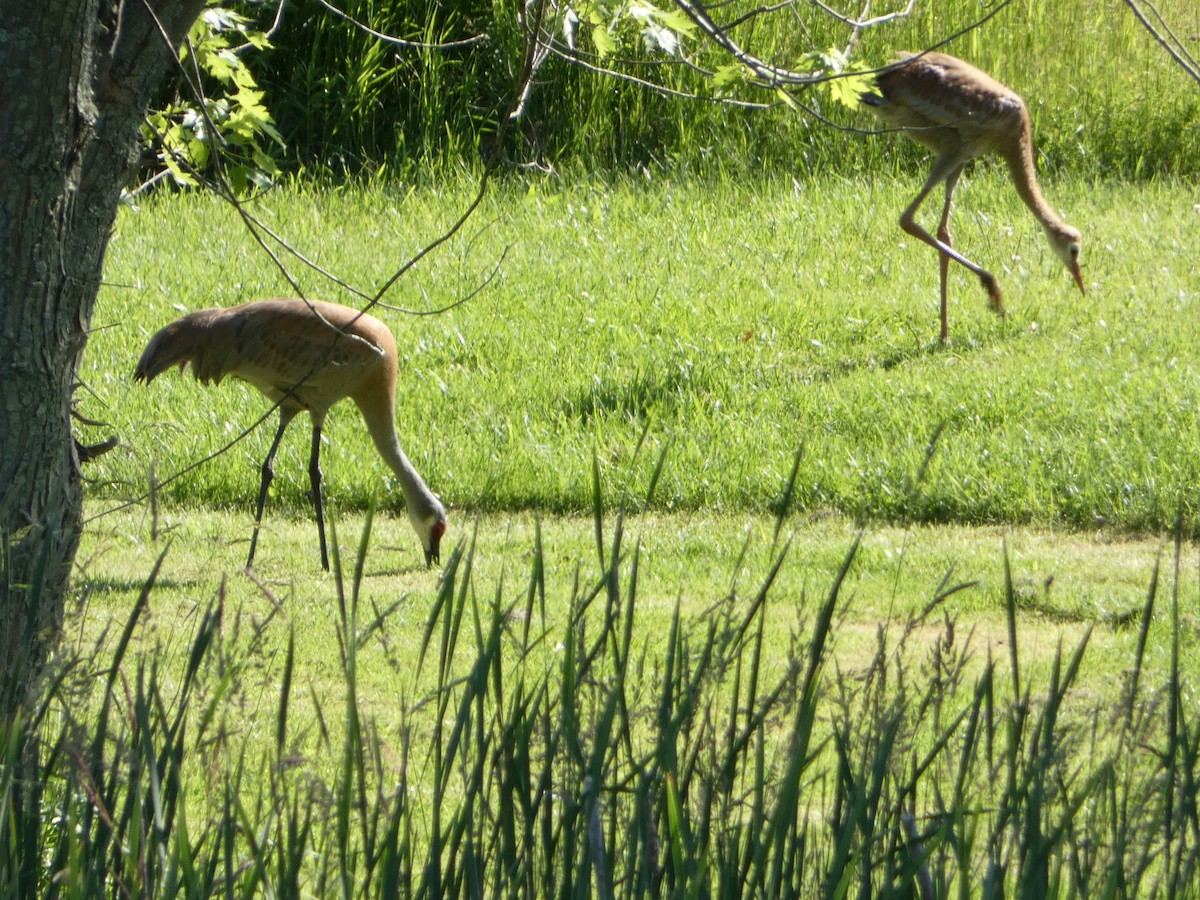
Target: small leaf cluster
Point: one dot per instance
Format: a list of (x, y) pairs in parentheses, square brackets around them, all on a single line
[(612, 25), (216, 122), (847, 79)]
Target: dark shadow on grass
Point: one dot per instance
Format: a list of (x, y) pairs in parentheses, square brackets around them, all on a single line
[(635, 397), (963, 344), (895, 358), (102, 585)]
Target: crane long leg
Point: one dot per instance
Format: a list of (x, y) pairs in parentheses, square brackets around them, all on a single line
[(314, 477), (943, 235), (268, 473), (947, 168)]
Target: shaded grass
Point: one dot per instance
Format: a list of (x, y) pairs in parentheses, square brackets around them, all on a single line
[(1103, 95), (546, 743), (1061, 583), (737, 323)]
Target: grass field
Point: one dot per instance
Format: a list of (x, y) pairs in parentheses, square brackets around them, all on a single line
[(722, 329), (751, 586), (671, 659), (1063, 583), (735, 327)]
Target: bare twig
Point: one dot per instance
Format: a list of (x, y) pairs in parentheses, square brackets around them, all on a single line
[(773, 77), (268, 34), (752, 14), (864, 20), (657, 88), (541, 51), (454, 304), (88, 452), (222, 188), (401, 42), (1161, 31)]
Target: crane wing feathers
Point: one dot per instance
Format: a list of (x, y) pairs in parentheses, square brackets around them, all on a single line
[(275, 345), (939, 90)]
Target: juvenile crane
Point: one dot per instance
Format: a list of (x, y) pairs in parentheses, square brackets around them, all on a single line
[(961, 113), (304, 356)]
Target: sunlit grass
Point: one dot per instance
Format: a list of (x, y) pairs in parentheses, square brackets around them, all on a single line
[(734, 325), (1063, 582), (794, 721)]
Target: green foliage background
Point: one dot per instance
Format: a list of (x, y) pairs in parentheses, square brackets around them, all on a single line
[(738, 322), (507, 739), (1105, 99)]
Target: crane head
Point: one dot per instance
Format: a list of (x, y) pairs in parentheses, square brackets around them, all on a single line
[(1067, 243), (430, 525), (433, 553)]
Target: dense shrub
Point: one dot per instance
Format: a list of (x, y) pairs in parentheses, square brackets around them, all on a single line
[(1104, 96)]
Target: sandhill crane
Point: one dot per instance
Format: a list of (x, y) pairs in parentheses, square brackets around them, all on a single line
[(960, 113), (304, 356)]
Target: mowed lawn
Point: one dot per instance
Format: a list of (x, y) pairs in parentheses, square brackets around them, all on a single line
[(1066, 585), (733, 331)]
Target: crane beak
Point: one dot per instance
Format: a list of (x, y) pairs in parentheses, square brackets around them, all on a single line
[(1078, 276), (433, 551)]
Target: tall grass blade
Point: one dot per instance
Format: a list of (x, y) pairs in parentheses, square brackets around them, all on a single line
[(1010, 613), (1143, 635), (598, 510), (785, 502), (656, 474), (285, 693)]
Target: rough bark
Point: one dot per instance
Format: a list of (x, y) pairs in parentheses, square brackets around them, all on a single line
[(76, 76)]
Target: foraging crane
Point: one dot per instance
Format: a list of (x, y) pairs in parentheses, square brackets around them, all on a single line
[(960, 113), (304, 356)]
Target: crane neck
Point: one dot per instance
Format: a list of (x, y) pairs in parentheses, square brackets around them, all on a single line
[(417, 495), (1022, 166)]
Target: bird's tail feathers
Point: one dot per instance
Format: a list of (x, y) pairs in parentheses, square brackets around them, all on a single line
[(174, 345)]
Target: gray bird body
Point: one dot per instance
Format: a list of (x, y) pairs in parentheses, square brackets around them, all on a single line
[(303, 355), (948, 105), (961, 113)]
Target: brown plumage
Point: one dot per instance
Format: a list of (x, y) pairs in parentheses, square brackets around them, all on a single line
[(303, 356), (960, 113)]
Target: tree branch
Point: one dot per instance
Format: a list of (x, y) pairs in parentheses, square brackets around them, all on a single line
[(1162, 33), (400, 42), (223, 189)]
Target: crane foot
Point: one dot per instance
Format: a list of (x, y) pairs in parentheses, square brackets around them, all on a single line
[(995, 298)]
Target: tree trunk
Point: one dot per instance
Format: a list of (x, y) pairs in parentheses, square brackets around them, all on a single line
[(76, 76)]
